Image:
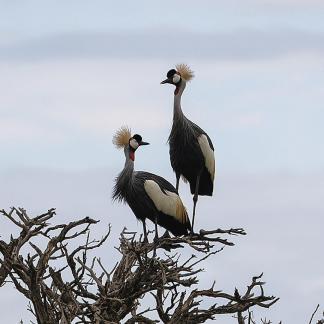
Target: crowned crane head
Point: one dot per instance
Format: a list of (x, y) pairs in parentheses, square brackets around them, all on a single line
[(178, 76), (124, 139)]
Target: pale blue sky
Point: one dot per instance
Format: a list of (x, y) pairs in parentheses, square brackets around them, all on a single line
[(35, 18), (73, 72), (259, 67)]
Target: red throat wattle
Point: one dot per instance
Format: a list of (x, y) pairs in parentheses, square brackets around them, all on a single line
[(132, 155)]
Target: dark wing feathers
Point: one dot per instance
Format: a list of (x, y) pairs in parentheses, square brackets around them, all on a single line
[(163, 184), (198, 131)]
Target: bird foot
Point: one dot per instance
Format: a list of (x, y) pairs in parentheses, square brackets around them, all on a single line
[(192, 233), (166, 235)]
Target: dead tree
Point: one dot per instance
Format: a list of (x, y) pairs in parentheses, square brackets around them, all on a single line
[(320, 321), (151, 282)]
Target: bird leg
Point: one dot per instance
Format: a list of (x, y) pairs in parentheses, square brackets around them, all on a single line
[(144, 230), (156, 238), (195, 199), (177, 184)]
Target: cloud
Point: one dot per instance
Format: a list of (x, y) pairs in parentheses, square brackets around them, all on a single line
[(235, 45), (261, 114), (53, 100), (287, 2)]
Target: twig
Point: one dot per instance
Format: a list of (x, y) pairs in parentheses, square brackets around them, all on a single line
[(311, 319)]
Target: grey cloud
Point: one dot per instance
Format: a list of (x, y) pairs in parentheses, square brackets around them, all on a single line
[(236, 45)]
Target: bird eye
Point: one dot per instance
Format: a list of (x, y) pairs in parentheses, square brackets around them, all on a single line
[(176, 78)]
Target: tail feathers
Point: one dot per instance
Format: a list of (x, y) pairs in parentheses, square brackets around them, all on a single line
[(173, 225), (206, 185)]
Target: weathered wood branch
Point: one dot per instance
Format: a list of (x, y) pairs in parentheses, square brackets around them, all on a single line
[(83, 290)]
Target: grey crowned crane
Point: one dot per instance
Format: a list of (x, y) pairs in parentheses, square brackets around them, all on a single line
[(191, 149), (148, 195)]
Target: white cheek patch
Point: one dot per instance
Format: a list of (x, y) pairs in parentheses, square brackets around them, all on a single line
[(168, 203), (208, 154), (133, 143), (176, 78)]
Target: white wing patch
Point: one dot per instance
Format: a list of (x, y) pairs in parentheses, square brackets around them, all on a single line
[(168, 203), (208, 154)]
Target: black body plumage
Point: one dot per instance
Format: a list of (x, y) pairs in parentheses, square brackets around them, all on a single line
[(186, 156), (133, 193), (191, 150), (149, 195)]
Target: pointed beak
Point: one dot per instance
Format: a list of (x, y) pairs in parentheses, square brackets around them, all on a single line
[(165, 81), (144, 143)]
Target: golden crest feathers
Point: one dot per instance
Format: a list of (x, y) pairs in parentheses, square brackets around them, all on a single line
[(186, 73), (121, 137)]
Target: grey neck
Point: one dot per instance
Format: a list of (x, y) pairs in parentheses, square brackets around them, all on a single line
[(127, 172), (124, 181), (177, 111)]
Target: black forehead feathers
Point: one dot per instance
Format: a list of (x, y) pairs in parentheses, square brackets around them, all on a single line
[(171, 73), (138, 138)]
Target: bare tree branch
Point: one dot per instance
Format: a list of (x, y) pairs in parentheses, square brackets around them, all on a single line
[(84, 290)]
